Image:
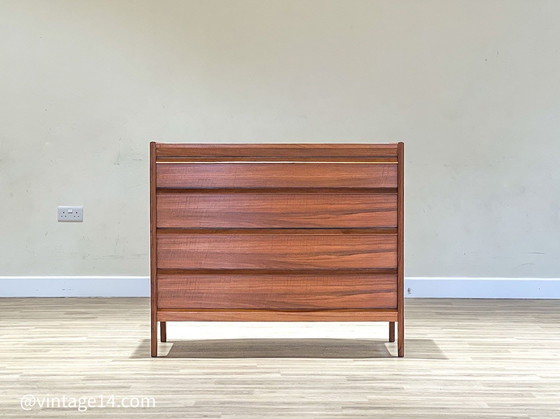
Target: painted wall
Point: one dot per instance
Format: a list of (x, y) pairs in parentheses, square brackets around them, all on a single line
[(471, 86)]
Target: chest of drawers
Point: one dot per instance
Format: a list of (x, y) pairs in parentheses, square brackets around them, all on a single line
[(277, 232)]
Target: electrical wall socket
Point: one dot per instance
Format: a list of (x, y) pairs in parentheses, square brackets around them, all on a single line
[(70, 214)]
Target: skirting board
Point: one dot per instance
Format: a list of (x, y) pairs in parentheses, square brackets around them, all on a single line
[(74, 286), (415, 287), (518, 288)]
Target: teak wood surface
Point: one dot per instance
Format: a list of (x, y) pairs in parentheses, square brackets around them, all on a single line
[(277, 232)]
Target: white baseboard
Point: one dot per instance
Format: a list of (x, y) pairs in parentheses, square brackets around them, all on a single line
[(415, 287), (460, 287), (74, 286)]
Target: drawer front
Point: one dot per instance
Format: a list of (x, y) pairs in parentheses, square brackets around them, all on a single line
[(276, 210), (277, 292), (276, 251), (276, 175)]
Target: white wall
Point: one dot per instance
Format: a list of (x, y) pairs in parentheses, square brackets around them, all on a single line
[(472, 86)]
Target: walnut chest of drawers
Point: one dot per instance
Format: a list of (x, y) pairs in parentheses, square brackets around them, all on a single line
[(277, 232)]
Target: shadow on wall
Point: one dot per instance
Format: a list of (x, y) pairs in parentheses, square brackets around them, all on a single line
[(291, 348)]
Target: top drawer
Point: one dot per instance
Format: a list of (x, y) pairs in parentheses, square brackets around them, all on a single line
[(276, 175)]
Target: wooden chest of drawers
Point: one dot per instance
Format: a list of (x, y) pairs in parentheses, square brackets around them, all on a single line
[(277, 232)]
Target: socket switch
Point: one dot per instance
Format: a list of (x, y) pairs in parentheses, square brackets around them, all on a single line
[(71, 214)]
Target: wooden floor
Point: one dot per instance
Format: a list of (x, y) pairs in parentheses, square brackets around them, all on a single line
[(465, 358)]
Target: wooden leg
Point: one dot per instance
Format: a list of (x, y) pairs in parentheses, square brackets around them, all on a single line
[(153, 337), (391, 331), (401, 337), (163, 331)]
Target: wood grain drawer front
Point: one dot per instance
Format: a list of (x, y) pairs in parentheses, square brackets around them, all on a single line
[(276, 251), (276, 210), (276, 175), (276, 292)]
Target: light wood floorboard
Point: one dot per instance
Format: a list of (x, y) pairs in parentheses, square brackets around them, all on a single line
[(464, 358)]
